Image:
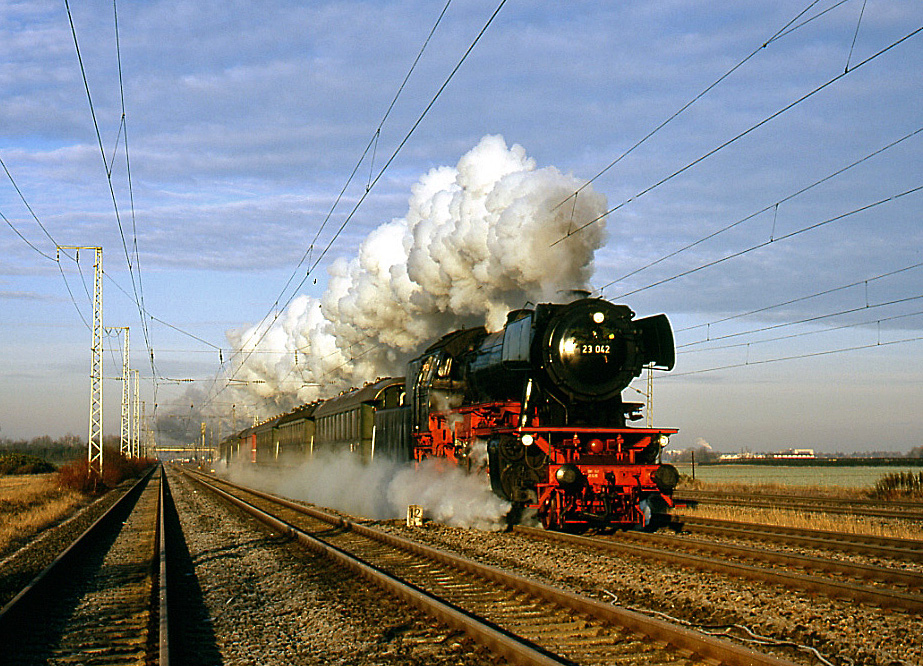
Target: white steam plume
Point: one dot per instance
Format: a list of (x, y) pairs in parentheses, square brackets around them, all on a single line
[(477, 241), (384, 488)]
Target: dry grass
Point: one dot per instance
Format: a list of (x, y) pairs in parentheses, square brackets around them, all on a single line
[(820, 491), (29, 504), (847, 524)]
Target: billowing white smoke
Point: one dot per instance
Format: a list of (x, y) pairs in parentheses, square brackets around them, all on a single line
[(385, 488), (477, 241)]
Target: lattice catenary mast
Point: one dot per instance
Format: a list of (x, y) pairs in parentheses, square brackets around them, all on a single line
[(95, 438), (125, 439), (136, 416)]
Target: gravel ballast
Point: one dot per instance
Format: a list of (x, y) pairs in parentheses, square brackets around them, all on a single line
[(269, 601), (840, 631)]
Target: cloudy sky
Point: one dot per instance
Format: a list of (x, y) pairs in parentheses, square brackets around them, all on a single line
[(760, 163)]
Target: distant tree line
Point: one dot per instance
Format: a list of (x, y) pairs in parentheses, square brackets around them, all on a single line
[(56, 451)]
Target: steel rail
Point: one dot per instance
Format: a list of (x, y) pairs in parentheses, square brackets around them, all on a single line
[(163, 638), (511, 647), (816, 506), (910, 579), (96, 602), (910, 550), (889, 599), (681, 638), (807, 499), (11, 612)]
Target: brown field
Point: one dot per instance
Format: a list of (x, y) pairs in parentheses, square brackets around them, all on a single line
[(29, 504), (845, 523), (816, 521)]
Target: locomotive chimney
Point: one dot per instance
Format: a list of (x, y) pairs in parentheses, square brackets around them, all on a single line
[(571, 295)]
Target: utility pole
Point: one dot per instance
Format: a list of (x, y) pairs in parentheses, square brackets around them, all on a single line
[(136, 416), (125, 439), (144, 447), (95, 438), (650, 396)]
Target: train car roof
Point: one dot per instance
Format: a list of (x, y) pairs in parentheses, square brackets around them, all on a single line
[(353, 397), (268, 424), (299, 413)]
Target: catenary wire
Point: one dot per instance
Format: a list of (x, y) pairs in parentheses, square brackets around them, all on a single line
[(765, 209), (790, 336), (784, 30), (825, 292), (135, 280), (382, 170), (310, 249), (793, 357), (807, 320), (740, 135), (776, 239)]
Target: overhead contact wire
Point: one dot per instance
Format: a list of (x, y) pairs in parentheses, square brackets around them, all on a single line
[(792, 234), (741, 135), (384, 168), (772, 206)]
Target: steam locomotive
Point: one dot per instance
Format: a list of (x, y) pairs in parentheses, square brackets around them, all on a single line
[(536, 405)]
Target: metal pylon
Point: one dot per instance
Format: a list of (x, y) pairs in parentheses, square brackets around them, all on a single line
[(125, 439), (95, 438), (136, 417)]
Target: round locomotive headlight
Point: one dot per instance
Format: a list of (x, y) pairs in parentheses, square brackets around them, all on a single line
[(568, 475), (599, 317), (527, 440), (663, 440)]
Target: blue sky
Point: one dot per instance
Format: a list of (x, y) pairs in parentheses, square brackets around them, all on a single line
[(244, 122)]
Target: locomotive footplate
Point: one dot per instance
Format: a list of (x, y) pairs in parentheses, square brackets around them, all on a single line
[(575, 478)]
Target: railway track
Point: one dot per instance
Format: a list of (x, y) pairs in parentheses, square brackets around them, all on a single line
[(856, 507), (901, 550), (520, 619), (102, 600), (899, 591)]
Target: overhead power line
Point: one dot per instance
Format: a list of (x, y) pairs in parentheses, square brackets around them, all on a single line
[(781, 32), (739, 136), (375, 180), (825, 292), (683, 349), (772, 206), (806, 320), (107, 166), (776, 239), (793, 357)]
